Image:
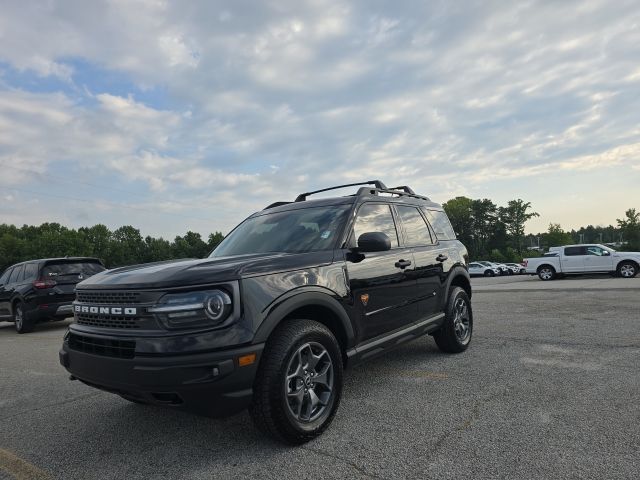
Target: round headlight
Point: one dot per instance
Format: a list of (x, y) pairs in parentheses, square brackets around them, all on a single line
[(216, 305)]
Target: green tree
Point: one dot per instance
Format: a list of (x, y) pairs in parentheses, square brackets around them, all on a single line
[(514, 217), (460, 213), (556, 236), (630, 227)]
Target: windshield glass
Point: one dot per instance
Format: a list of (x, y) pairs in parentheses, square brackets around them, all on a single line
[(293, 231)]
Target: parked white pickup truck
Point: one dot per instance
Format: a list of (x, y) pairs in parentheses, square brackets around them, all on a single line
[(580, 259)]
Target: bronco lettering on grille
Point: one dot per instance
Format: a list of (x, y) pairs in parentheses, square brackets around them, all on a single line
[(105, 310)]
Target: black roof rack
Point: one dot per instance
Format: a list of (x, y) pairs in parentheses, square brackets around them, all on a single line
[(377, 188), (377, 183)]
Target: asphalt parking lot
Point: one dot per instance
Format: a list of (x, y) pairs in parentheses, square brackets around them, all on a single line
[(550, 388)]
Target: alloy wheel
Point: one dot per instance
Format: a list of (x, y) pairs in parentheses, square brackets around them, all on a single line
[(627, 270), (309, 382), (18, 318), (546, 274), (462, 321)]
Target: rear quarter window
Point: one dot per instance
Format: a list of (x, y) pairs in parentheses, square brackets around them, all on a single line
[(30, 271), (440, 224)]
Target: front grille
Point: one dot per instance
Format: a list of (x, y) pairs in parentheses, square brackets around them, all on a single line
[(108, 321), (107, 297), (106, 347)]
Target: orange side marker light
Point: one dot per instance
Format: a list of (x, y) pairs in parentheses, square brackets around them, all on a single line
[(245, 360)]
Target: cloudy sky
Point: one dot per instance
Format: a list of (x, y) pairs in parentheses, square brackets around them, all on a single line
[(191, 115)]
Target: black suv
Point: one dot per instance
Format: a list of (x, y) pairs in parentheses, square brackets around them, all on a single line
[(292, 295), (41, 290)]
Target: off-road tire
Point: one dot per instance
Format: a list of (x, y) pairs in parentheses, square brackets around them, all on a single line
[(546, 273), (447, 338), (627, 269), (21, 320), (269, 407)]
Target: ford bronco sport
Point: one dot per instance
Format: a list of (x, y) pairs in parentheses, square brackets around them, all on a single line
[(290, 297)]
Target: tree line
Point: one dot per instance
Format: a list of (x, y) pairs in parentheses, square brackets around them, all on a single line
[(489, 232), (123, 246), (496, 233)]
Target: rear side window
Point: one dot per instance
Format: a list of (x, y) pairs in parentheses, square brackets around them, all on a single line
[(16, 274), (375, 217), (30, 271), (415, 228), (5, 276), (574, 251), (440, 224), (61, 269)]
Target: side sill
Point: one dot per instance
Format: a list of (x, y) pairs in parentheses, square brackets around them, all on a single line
[(382, 344)]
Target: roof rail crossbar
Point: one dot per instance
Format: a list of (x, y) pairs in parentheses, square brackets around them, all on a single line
[(404, 188), (399, 193), (377, 183)]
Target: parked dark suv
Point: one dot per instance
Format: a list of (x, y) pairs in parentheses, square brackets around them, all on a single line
[(292, 295), (42, 290)]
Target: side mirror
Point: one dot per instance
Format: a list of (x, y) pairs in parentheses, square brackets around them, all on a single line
[(374, 242), (606, 253)]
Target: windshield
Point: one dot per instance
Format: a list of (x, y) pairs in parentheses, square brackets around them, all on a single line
[(293, 231)]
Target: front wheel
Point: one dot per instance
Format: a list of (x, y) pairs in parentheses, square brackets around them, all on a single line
[(627, 270), (455, 335), (299, 382), (489, 273)]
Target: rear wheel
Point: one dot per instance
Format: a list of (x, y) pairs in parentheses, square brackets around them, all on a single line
[(20, 320), (299, 382), (627, 269), (455, 335), (546, 272)]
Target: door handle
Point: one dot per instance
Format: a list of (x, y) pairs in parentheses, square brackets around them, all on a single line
[(403, 263), (442, 257)]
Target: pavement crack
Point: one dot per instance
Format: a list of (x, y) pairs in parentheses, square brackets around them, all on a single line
[(344, 461)]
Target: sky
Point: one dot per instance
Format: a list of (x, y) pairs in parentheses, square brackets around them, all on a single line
[(176, 116)]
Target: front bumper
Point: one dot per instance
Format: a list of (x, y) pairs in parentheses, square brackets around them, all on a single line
[(211, 384)]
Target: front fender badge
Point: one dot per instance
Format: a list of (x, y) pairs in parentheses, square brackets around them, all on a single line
[(364, 298)]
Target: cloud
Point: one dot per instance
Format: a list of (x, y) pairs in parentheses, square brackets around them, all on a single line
[(201, 102)]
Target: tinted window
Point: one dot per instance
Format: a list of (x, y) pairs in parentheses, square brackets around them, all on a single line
[(415, 228), (375, 217), (5, 276), (440, 224), (16, 274), (30, 271), (574, 251), (61, 269), (293, 231)]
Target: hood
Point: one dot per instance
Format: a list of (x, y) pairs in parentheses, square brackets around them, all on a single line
[(180, 273)]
